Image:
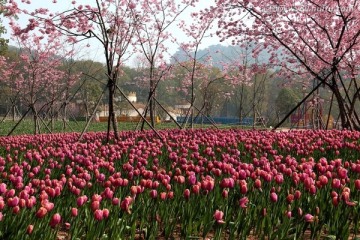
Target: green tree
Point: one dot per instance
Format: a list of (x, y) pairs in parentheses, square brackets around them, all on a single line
[(286, 100)]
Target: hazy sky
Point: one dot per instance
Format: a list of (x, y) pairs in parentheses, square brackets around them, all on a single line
[(95, 52)]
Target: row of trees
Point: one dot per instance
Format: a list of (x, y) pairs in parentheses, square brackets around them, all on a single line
[(319, 39), (318, 47), (259, 96)]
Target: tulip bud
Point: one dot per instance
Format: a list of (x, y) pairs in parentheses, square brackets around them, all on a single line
[(106, 212), (308, 218), (300, 211), (357, 184), (335, 201), (153, 194), (273, 197), (41, 212), (126, 203), (263, 212), (29, 229), (218, 216), (81, 201), (163, 196), (95, 205), (170, 195), (67, 226), (336, 183), (3, 188), (74, 212), (243, 189), (115, 201), (2, 205), (55, 220), (243, 202), (186, 193), (98, 214), (224, 193), (290, 198), (257, 183)]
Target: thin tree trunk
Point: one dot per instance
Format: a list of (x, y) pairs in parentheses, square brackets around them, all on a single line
[(17, 124), (92, 115)]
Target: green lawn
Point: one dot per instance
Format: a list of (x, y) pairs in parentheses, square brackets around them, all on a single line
[(27, 126)]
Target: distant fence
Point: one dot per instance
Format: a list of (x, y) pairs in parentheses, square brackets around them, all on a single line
[(248, 121), (129, 119)]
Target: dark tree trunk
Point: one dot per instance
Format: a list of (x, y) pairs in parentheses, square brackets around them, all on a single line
[(112, 118)]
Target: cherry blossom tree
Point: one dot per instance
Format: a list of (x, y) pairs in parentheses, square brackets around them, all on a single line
[(197, 31), (157, 16), (319, 41), (111, 23), (37, 78), (3, 41)]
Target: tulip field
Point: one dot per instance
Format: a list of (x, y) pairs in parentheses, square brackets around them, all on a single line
[(191, 184)]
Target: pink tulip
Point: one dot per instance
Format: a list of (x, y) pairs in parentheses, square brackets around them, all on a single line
[(225, 193), (191, 179), (95, 205), (297, 194), (2, 204), (67, 226), (29, 229), (218, 216), (195, 189), (186, 193), (12, 202), (342, 173), (243, 202), (290, 198), (243, 188), (336, 183), (74, 212), (273, 197), (48, 205), (3, 188), (30, 202), (98, 214), (106, 212), (115, 201), (323, 180), (170, 195), (153, 194), (134, 190), (126, 203), (55, 220), (96, 197), (257, 183), (357, 184), (10, 193), (41, 212), (81, 201), (163, 196), (308, 217)]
